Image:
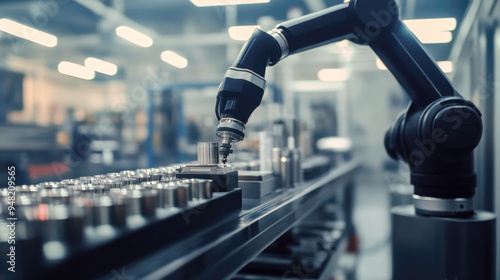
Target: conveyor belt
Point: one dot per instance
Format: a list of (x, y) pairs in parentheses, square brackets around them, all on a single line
[(223, 249)]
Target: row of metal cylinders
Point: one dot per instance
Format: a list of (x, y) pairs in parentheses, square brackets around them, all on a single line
[(58, 213)]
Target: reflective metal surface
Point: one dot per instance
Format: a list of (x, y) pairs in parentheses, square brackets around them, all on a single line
[(208, 153), (431, 205)]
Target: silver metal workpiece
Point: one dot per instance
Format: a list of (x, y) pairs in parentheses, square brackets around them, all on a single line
[(297, 166), (110, 183), (286, 168), (113, 175), (182, 191), (168, 173), (162, 197), (276, 164), (156, 176), (69, 182), (85, 180), (128, 173), (208, 153), (168, 179), (192, 187), (129, 181), (148, 185), (175, 194), (60, 223), (55, 196), (204, 189), (90, 189), (48, 185), (105, 211), (26, 189), (140, 202), (171, 194), (143, 177)]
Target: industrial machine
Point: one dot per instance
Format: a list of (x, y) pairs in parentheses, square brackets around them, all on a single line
[(436, 135)]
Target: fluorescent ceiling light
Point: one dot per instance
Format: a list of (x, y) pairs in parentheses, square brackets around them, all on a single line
[(333, 75), (241, 33), (446, 66), (432, 30), (28, 33), (380, 64), (75, 70), (206, 3), (342, 44), (174, 59), (134, 36), (431, 24), (438, 37), (315, 86), (101, 66)]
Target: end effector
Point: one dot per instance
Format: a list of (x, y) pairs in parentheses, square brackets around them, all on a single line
[(243, 86)]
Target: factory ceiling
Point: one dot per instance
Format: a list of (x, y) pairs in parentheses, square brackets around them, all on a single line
[(87, 27)]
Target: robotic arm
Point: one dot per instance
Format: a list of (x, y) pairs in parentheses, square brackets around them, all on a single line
[(435, 135)]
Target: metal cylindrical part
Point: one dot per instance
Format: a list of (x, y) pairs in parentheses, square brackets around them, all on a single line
[(205, 188), (182, 193), (199, 188), (193, 188), (276, 159), (286, 168), (155, 176), (127, 173), (107, 211), (148, 185), (60, 223), (55, 196), (162, 195), (297, 166), (172, 195), (148, 203), (169, 173), (129, 181), (143, 177), (90, 189), (110, 183), (265, 151), (47, 185), (280, 134), (208, 153), (86, 179), (141, 202)]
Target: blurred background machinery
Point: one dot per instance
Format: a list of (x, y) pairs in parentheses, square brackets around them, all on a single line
[(99, 87)]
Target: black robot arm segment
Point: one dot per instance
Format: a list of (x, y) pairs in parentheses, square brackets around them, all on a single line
[(412, 67), (318, 29)]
